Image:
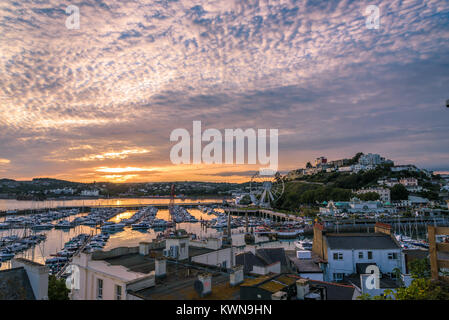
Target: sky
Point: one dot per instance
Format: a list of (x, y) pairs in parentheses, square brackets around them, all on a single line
[(99, 103)]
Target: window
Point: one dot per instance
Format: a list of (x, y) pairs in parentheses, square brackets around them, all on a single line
[(338, 256), (99, 289), (370, 255), (338, 276), (392, 256), (118, 292), (361, 255)]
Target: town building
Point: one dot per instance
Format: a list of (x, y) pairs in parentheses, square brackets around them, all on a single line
[(263, 261), (409, 182), (292, 287), (90, 193), (384, 193), (153, 270), (356, 206), (26, 280), (408, 167), (320, 161), (344, 254), (371, 159), (306, 264), (391, 182)]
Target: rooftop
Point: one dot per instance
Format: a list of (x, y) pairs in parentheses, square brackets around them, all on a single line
[(15, 285), (182, 288), (349, 241), (384, 282), (304, 265)]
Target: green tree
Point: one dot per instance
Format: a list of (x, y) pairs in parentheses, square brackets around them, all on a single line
[(419, 268), (245, 200), (369, 196), (421, 289), (57, 289), (399, 192)]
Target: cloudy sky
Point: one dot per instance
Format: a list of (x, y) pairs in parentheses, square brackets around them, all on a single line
[(100, 102)]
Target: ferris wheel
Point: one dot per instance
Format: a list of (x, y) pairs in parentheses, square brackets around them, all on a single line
[(265, 190)]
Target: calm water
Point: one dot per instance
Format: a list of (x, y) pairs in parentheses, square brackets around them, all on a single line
[(56, 238), (12, 204)]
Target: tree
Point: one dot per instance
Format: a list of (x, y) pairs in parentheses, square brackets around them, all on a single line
[(419, 268), (57, 289), (246, 199), (369, 196), (421, 289), (356, 158), (399, 192)]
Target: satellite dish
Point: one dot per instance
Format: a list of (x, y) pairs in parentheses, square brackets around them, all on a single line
[(199, 287)]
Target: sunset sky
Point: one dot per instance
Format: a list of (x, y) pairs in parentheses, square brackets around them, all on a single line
[(99, 103)]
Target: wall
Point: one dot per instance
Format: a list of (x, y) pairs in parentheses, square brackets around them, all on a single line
[(215, 258), (312, 276), (350, 258), (91, 270), (211, 243), (273, 268), (38, 276)]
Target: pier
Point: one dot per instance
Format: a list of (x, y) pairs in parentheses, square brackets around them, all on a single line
[(264, 213)]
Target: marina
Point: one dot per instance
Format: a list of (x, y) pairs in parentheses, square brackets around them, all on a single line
[(52, 238)]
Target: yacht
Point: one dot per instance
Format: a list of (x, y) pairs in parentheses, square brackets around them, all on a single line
[(43, 226), (64, 225)]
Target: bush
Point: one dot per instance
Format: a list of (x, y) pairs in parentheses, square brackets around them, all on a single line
[(57, 289)]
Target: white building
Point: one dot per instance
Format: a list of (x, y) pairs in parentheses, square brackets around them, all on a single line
[(388, 182), (132, 273), (355, 206), (409, 182), (373, 160), (90, 193), (62, 191), (107, 278), (384, 193), (346, 254), (408, 167)]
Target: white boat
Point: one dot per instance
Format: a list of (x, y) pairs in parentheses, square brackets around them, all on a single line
[(4, 225), (64, 225), (43, 226), (304, 244), (141, 226), (6, 255), (288, 234)]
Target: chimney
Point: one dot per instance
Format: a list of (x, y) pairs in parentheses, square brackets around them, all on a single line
[(144, 248), (280, 295), (206, 281), (236, 276), (160, 266), (302, 288), (382, 228), (318, 241)]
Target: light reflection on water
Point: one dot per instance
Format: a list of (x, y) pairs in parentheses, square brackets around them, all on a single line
[(56, 238), (12, 204)]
